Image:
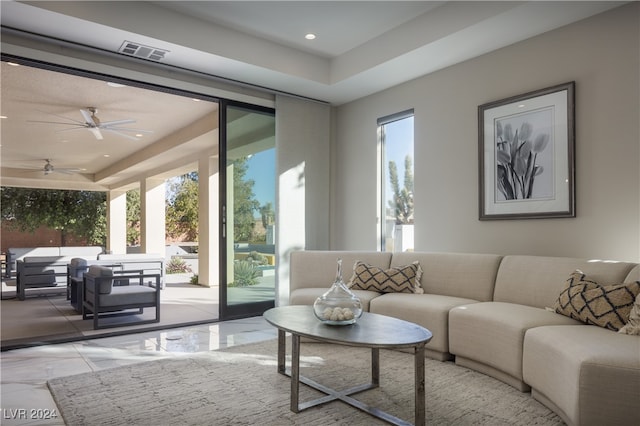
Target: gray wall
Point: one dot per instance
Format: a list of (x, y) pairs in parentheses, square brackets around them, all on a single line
[(601, 54)]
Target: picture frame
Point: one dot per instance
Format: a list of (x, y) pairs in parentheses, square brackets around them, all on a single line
[(526, 151)]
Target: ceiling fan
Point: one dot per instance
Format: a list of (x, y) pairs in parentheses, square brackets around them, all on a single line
[(94, 125), (48, 169)]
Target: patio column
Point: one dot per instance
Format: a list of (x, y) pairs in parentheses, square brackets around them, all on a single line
[(117, 222), (152, 212), (208, 259)]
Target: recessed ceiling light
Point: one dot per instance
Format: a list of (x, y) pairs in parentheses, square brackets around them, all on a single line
[(3, 116), (139, 135), (13, 64), (113, 84), (106, 156), (310, 36)]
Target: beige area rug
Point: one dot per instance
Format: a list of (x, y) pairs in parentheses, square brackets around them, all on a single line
[(240, 386)]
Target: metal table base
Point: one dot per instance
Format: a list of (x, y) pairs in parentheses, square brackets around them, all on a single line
[(345, 395)]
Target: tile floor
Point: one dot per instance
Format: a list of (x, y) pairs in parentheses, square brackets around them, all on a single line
[(24, 395)]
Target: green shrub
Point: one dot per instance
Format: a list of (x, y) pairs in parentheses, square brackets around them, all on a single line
[(194, 279), (244, 273), (177, 265), (257, 258)]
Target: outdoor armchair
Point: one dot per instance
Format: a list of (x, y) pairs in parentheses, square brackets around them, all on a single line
[(108, 295)]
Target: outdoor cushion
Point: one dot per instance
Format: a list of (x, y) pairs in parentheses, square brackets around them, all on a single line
[(45, 278), (101, 272), (129, 295), (78, 266)]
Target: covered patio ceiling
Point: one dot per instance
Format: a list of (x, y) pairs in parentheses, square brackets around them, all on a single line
[(179, 131), (362, 47)]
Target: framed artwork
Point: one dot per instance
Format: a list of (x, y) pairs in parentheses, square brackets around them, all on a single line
[(526, 155)]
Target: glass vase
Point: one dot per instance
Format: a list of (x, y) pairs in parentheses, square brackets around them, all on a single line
[(338, 306)]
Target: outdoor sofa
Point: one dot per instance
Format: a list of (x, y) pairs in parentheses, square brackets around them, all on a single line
[(14, 254), (39, 267), (51, 267), (497, 315)]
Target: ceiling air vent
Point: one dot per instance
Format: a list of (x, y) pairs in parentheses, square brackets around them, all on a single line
[(140, 51)]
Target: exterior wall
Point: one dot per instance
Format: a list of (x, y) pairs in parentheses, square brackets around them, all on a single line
[(41, 237), (601, 54)]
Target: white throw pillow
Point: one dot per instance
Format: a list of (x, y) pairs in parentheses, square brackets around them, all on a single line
[(633, 325)]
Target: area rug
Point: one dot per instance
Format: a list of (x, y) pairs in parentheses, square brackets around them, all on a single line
[(240, 386)]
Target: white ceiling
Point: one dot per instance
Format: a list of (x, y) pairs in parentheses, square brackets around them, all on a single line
[(361, 47)]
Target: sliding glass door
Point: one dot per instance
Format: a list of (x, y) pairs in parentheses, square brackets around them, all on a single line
[(248, 210)]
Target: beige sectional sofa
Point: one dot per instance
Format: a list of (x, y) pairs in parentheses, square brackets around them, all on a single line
[(493, 314)]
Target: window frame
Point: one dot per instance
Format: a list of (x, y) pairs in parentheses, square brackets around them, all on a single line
[(381, 177)]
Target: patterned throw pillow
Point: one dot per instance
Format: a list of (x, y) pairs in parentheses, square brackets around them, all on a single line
[(607, 306), (633, 326), (399, 279)]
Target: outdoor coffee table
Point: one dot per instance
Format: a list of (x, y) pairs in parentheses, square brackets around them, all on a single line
[(371, 331)]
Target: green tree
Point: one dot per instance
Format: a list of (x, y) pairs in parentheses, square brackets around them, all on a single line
[(133, 217), (81, 213), (402, 202), (245, 204), (182, 207)]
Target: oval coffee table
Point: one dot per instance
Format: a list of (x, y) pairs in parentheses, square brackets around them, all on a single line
[(372, 331)]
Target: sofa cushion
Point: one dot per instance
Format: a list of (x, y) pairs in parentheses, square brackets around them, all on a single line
[(88, 252), (591, 374), (43, 278), (102, 272), (44, 259), (129, 295), (428, 310), (633, 325), (488, 336), (399, 279), (464, 275), (606, 306), (537, 280), (307, 296), (317, 268)]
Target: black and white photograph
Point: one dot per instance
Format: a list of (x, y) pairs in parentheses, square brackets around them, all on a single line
[(526, 151)]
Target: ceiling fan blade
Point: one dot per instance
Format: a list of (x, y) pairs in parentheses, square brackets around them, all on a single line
[(66, 171), (125, 129), (124, 135), (71, 128), (116, 122), (62, 116), (88, 117), (96, 132), (68, 123)]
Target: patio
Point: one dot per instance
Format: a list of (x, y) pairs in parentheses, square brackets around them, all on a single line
[(48, 317)]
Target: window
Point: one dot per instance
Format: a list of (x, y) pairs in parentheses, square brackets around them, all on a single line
[(395, 187)]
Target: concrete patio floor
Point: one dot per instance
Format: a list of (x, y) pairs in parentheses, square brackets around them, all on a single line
[(49, 317)]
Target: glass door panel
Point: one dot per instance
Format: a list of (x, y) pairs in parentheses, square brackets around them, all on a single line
[(248, 243)]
